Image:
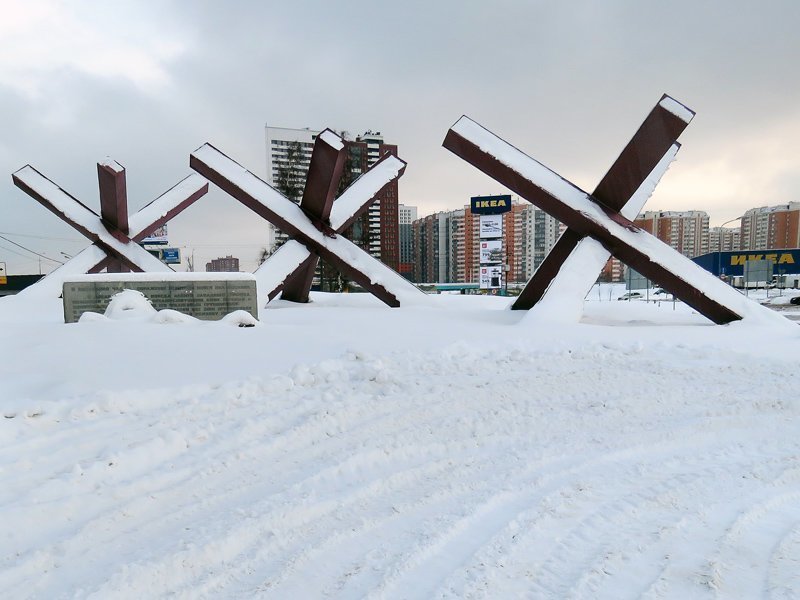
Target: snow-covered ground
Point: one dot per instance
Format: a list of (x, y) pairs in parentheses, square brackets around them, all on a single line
[(344, 449)]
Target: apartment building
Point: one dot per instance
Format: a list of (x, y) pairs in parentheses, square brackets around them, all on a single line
[(771, 227), (227, 264), (685, 231), (406, 216), (724, 239), (288, 157), (447, 244)]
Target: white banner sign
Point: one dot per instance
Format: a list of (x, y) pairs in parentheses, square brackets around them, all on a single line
[(491, 251), (491, 226), (158, 237), (491, 277)]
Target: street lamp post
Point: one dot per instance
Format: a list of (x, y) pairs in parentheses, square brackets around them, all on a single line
[(719, 246)]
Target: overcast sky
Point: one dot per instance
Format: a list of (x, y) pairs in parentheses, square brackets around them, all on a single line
[(145, 83)]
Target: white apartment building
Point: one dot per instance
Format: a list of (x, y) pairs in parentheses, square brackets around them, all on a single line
[(278, 140), (363, 153), (724, 239), (541, 232)]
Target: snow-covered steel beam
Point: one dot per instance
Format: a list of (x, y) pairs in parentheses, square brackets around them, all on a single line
[(86, 221), (287, 260), (362, 192), (324, 173), (580, 212), (113, 232), (640, 160), (374, 276), (575, 261), (167, 206)]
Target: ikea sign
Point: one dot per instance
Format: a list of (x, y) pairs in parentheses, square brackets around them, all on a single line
[(490, 205)]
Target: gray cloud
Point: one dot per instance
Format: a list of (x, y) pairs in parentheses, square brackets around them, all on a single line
[(566, 82)]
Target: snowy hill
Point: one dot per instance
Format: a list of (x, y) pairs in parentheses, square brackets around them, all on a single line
[(344, 449)]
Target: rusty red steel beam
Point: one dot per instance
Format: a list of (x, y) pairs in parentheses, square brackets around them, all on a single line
[(324, 173), (322, 181), (283, 213), (654, 138), (186, 189), (114, 256), (122, 251), (114, 206), (592, 219), (346, 210)]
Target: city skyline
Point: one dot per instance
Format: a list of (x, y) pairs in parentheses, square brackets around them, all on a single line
[(567, 84)]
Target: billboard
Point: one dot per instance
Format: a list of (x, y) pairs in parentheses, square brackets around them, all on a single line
[(158, 237), (491, 226), (731, 264), (489, 205), (491, 277), (491, 251), (171, 256), (758, 270)]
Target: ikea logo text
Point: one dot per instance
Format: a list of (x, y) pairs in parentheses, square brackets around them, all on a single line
[(490, 205)]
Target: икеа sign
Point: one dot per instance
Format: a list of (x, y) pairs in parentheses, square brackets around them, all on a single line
[(778, 259)]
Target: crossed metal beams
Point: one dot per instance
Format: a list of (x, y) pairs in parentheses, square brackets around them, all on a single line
[(112, 232), (314, 226), (604, 217)]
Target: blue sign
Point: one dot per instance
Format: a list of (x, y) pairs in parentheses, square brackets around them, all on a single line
[(490, 205), (171, 256), (731, 264)]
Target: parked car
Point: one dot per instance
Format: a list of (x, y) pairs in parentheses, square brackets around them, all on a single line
[(630, 295)]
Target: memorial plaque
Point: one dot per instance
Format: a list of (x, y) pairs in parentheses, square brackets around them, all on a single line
[(206, 299)]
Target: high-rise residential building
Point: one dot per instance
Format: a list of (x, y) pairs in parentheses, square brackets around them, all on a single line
[(771, 227), (228, 264), (724, 239), (613, 270), (288, 157), (541, 232), (383, 218), (686, 231), (447, 244), (434, 246), (406, 216), (514, 241)]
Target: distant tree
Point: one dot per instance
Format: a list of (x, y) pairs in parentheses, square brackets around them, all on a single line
[(290, 174), (290, 180)]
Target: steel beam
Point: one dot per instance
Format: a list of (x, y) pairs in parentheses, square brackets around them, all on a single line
[(326, 243), (636, 162), (588, 217)]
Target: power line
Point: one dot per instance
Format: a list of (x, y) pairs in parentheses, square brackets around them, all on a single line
[(39, 237), (15, 252), (31, 251)]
